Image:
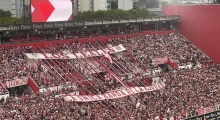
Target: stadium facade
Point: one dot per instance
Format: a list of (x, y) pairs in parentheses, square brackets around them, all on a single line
[(199, 24)]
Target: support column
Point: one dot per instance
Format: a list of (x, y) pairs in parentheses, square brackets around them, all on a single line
[(166, 25), (171, 25), (109, 29), (119, 29), (0, 38), (156, 26), (27, 35), (140, 28), (43, 35), (76, 30), (99, 31)]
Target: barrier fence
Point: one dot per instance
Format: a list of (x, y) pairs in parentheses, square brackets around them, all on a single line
[(206, 113)]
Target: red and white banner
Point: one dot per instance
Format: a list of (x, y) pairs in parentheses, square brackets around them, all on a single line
[(107, 56), (113, 94), (17, 82), (159, 61), (205, 110), (2, 90), (84, 54), (51, 10), (172, 63)]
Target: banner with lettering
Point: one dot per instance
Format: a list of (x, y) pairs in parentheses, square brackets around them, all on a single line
[(207, 116), (205, 110), (17, 82), (113, 94), (159, 61), (83, 54)]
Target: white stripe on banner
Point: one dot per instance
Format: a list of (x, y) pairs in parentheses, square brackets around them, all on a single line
[(113, 94), (85, 54)]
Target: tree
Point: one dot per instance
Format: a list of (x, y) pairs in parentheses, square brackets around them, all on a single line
[(113, 14), (10, 20), (114, 5), (6, 18), (5, 13)]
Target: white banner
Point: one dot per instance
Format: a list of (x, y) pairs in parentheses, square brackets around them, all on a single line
[(113, 94), (17, 82), (5, 96), (84, 54), (159, 61), (56, 88)]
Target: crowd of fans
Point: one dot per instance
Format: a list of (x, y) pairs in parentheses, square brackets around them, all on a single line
[(186, 90)]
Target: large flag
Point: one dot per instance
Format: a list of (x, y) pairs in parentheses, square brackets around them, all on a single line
[(108, 57)]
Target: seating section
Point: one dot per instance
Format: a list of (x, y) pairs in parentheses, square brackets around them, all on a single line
[(191, 86), (61, 36)]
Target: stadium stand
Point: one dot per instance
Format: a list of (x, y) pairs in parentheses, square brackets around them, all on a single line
[(191, 79)]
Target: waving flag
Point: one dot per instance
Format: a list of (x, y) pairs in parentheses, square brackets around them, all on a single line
[(108, 57)]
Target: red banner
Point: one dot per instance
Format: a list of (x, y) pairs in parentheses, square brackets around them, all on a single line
[(172, 63), (113, 94), (17, 82), (2, 90)]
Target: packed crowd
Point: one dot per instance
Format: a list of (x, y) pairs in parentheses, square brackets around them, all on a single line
[(12, 63), (186, 89)]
